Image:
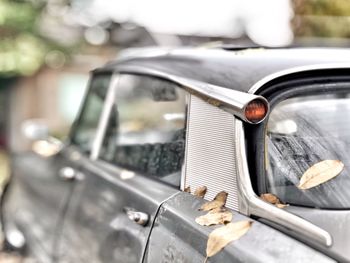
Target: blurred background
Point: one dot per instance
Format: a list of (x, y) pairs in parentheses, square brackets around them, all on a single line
[(48, 47)]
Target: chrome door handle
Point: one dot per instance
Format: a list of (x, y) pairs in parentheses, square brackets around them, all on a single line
[(67, 173), (138, 217)]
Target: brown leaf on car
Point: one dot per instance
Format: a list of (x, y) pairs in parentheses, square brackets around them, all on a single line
[(218, 202), (222, 236), (281, 205), (200, 191), (187, 189), (272, 199), (320, 173), (214, 218)]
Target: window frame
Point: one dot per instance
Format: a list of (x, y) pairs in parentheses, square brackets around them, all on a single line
[(82, 108), (107, 111), (275, 94)]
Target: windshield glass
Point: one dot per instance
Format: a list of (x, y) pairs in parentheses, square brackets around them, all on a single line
[(304, 132)]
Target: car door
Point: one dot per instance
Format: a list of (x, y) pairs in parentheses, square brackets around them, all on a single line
[(34, 201), (137, 167), (42, 184)]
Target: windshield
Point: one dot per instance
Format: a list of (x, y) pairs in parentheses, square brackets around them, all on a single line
[(303, 133)]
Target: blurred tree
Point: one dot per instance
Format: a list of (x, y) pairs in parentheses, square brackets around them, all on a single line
[(23, 48), (321, 18)]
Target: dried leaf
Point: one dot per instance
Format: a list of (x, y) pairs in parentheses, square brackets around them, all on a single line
[(222, 236), (200, 191), (187, 189), (320, 173), (214, 218), (219, 201), (218, 209), (272, 199), (281, 205)]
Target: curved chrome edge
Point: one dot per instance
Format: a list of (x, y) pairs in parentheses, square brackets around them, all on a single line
[(102, 125), (331, 66), (229, 100), (250, 204)]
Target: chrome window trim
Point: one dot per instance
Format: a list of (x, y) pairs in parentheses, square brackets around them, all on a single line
[(184, 164), (103, 122), (229, 100), (327, 66), (251, 204)]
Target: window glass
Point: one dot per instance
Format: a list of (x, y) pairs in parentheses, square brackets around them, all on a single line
[(146, 132), (302, 132), (85, 128)]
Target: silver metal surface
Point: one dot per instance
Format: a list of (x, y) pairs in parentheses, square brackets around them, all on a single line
[(330, 66), (102, 125), (67, 173), (250, 204), (138, 217), (210, 151), (229, 100)]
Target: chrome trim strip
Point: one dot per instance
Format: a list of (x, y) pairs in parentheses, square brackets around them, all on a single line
[(268, 78), (184, 165), (102, 125), (250, 204), (229, 100)]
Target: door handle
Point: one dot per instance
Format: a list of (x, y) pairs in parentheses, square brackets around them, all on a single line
[(67, 173), (136, 216)]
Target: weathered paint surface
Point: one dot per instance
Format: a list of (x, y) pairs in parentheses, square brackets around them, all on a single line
[(176, 237)]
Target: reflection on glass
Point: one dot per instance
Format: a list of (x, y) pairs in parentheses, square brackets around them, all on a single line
[(304, 131), (146, 133)]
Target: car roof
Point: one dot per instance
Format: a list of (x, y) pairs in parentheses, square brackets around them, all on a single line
[(234, 69)]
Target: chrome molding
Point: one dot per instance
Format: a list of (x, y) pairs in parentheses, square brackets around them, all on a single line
[(229, 100), (102, 125), (330, 66), (250, 204)]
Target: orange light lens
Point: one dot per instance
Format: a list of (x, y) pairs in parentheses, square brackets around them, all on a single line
[(255, 111)]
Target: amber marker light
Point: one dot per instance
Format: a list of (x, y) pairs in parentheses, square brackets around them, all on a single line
[(256, 111)]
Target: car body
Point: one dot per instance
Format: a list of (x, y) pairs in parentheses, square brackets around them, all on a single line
[(155, 122)]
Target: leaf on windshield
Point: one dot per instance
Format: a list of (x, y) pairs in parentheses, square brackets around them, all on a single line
[(320, 173), (222, 236), (187, 189), (272, 199), (219, 201), (200, 191), (215, 217)]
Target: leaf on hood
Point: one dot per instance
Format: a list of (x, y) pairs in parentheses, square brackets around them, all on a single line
[(219, 201), (214, 218), (200, 191), (320, 173), (272, 199), (187, 189), (222, 236)]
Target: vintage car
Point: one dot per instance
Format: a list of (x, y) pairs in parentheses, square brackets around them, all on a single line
[(255, 123)]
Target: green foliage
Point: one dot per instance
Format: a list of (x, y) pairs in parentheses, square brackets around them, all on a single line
[(321, 7), (321, 18), (22, 47)]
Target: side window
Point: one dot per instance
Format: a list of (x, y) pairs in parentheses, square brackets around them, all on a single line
[(85, 128), (310, 131), (146, 131)]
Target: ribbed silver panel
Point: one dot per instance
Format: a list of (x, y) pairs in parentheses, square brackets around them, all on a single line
[(210, 152)]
